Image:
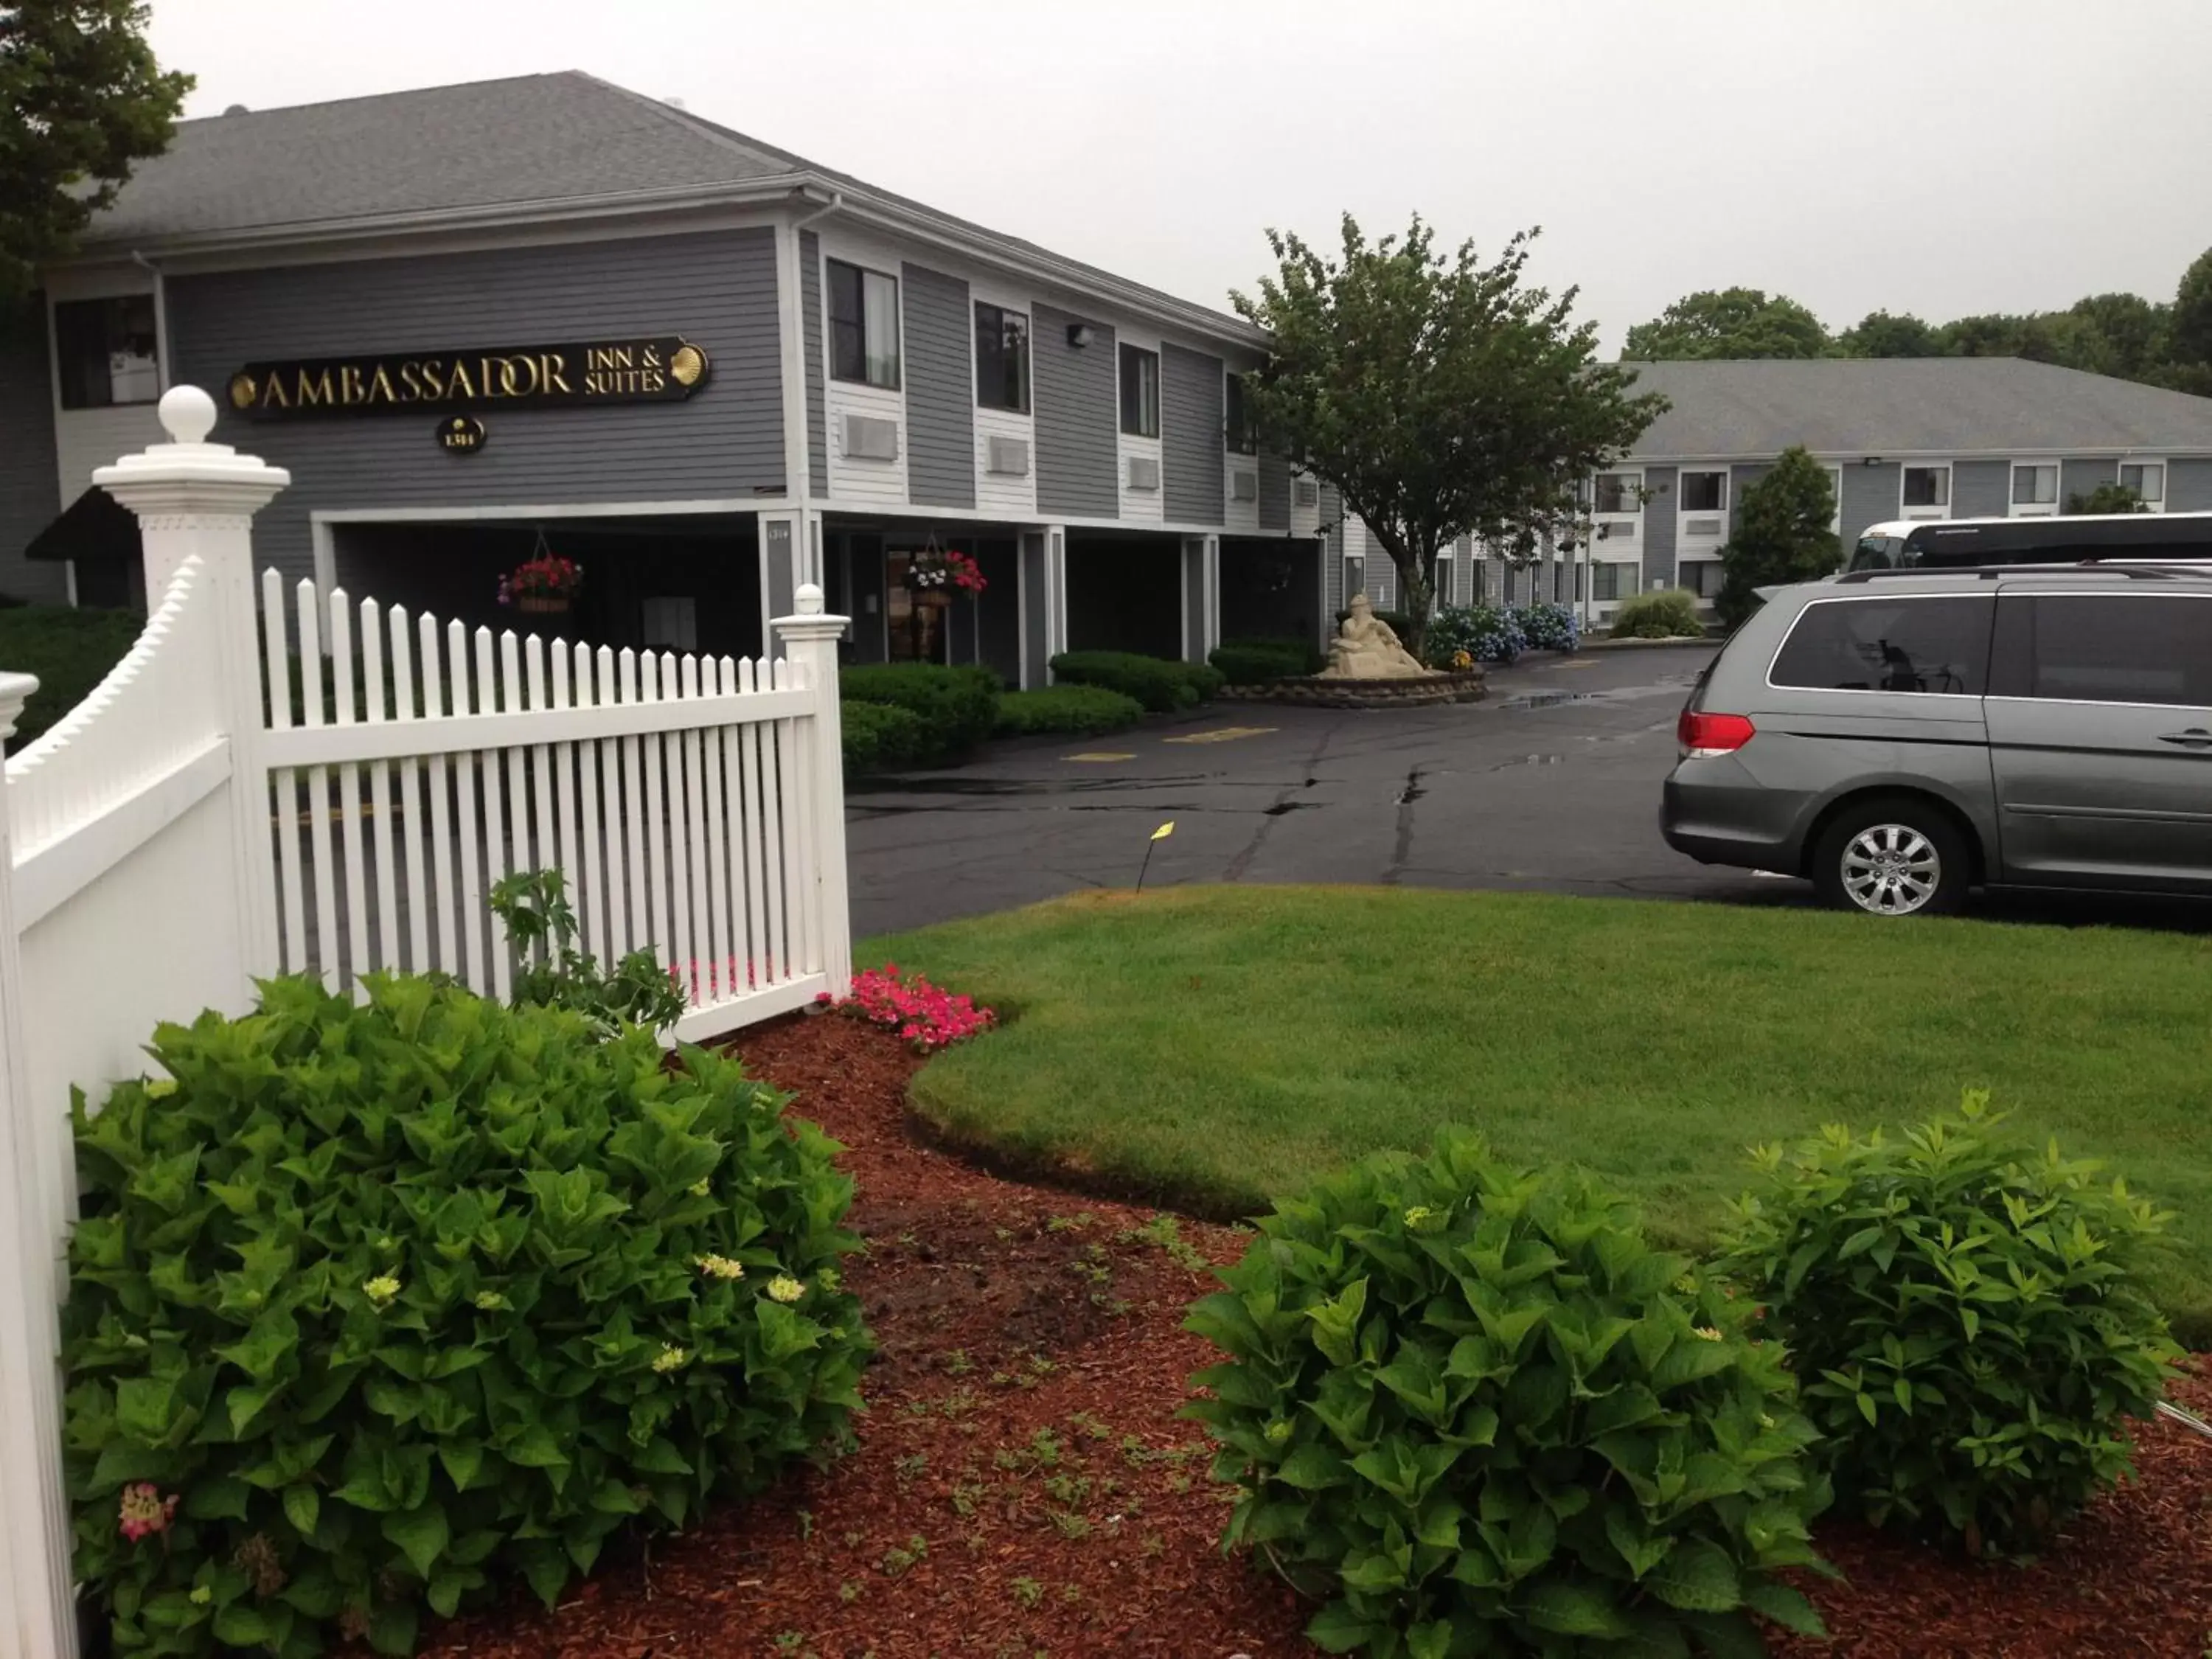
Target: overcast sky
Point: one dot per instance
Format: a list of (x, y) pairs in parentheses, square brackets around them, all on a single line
[(1938, 156)]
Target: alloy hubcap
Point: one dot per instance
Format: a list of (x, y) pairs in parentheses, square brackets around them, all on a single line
[(1891, 869)]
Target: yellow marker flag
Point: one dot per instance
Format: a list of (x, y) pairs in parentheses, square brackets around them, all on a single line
[(1164, 830)]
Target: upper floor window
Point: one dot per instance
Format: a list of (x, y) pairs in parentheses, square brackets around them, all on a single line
[(1617, 492), (1235, 422), (2148, 480), (1705, 492), (1002, 359), (107, 348), (1926, 486), (2035, 483), (864, 325), (1140, 391)]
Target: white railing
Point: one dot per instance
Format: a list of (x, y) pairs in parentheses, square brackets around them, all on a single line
[(679, 797), (201, 820)]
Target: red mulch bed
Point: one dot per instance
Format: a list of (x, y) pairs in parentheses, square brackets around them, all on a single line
[(1023, 1486)]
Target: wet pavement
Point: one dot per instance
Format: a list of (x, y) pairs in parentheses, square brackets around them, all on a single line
[(1551, 783)]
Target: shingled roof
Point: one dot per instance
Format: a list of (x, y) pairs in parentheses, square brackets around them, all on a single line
[(509, 147), (1894, 406)]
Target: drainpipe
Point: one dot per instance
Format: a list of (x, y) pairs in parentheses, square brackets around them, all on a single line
[(808, 545), (160, 319)]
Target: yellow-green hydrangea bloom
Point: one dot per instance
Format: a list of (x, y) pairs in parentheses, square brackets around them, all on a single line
[(784, 1288), (721, 1267), (380, 1290), (671, 1358)]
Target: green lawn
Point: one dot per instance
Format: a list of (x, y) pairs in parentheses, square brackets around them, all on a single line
[(1212, 1047)]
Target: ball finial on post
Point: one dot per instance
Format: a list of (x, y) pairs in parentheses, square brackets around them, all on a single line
[(187, 414), (808, 599)]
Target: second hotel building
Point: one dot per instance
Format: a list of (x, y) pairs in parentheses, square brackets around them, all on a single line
[(548, 314)]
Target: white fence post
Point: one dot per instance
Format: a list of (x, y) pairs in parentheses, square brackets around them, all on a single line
[(810, 641), (38, 1613), (195, 498)]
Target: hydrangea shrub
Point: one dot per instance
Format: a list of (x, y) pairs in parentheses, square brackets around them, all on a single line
[(1474, 1411), (374, 1307), (1486, 633), (1965, 1314), (1548, 626)]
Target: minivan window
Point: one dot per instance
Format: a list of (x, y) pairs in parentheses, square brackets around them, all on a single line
[(2105, 648), (1929, 644), (1878, 553)]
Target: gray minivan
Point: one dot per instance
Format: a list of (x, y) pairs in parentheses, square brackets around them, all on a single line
[(1901, 736)]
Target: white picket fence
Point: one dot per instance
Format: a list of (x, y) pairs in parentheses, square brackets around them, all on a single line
[(201, 821), (679, 797)]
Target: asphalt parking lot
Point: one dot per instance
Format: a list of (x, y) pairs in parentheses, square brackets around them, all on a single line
[(1551, 783)]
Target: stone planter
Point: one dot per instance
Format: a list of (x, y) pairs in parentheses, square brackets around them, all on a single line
[(1453, 685)]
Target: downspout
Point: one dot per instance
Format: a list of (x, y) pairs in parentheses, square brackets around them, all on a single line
[(809, 546), (160, 319)]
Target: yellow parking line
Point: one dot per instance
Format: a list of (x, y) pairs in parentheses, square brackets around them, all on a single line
[(1101, 755), (1222, 734)]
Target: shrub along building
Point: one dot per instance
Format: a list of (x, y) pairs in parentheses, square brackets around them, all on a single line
[(1901, 438), (485, 323)]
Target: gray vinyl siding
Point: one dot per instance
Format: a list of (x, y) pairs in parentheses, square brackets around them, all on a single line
[(940, 395), (1869, 498), (2079, 478), (817, 402), (2189, 486), (1332, 518), (1981, 489), (1192, 479), (30, 496), (718, 289), (1274, 492), (1659, 525), (1078, 419)]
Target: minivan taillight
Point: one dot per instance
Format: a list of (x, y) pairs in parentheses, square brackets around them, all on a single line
[(1702, 735)]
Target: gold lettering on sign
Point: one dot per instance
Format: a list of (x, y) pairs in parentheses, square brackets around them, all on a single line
[(652, 356), (550, 373), (315, 388), (350, 383), (275, 397), (459, 386), (379, 389)]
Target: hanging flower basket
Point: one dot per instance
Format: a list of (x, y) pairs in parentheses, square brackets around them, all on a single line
[(542, 605), (936, 574), (544, 585)]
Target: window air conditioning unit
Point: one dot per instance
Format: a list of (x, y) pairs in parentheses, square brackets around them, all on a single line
[(1144, 472), (1243, 486), (1701, 526), (1008, 458), (869, 438), (1307, 492)]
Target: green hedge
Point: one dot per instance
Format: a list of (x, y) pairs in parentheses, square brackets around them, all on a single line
[(1256, 662), (1074, 710), (1670, 614), (958, 708), (1160, 684), (376, 1310), (70, 650), (879, 736)]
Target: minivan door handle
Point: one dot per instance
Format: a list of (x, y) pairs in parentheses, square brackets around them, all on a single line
[(2195, 737)]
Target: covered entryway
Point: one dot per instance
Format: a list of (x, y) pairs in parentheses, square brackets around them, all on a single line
[(667, 583), (1270, 588), (864, 569)]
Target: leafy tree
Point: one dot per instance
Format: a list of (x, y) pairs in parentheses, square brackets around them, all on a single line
[(1878, 334), (2106, 497), (2192, 334), (1736, 322), (1441, 396), (2133, 337), (1782, 536), (85, 99)]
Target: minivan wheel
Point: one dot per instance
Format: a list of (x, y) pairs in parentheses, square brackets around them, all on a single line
[(1893, 857)]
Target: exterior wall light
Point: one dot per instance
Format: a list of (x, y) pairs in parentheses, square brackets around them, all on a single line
[(1079, 335)]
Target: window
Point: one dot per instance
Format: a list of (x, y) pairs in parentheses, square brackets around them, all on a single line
[(107, 351), (1604, 580), (2035, 484), (1927, 486), (1002, 359), (1705, 492), (1236, 424), (1927, 645), (864, 325), (2097, 647), (1140, 391), (1617, 492), (2147, 479), (1702, 577)]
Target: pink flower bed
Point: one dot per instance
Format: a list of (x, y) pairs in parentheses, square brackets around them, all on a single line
[(926, 1015)]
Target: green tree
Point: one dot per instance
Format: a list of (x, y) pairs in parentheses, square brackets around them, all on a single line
[(1441, 396), (1736, 322), (1781, 535), (2134, 336), (2106, 497), (1878, 334), (2191, 330), (84, 99)]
